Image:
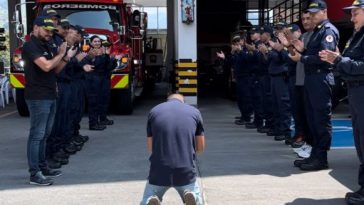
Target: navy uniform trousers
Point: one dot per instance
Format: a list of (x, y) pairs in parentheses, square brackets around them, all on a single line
[(318, 91), (281, 105)]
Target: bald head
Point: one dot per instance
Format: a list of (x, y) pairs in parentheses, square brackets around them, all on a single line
[(177, 97)]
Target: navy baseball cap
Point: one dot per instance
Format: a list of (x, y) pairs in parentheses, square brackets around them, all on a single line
[(355, 5), (235, 38), (45, 22), (64, 23), (255, 29), (266, 29), (80, 30), (50, 13), (280, 25), (316, 6), (293, 27)]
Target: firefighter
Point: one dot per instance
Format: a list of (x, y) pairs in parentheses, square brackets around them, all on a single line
[(61, 125), (98, 85), (78, 92), (279, 86), (256, 88), (350, 66), (293, 32), (266, 33), (242, 77), (319, 81), (106, 85)]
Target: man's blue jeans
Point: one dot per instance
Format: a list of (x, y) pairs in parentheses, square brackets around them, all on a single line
[(42, 113), (159, 191)]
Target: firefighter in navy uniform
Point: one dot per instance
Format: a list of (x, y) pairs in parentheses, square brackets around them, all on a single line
[(256, 89), (242, 76), (350, 65), (266, 33), (61, 123), (78, 94), (319, 81), (279, 86)]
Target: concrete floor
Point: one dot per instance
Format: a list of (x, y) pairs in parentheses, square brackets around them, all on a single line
[(239, 166)]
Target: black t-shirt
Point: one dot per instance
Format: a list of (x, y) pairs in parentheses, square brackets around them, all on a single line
[(173, 126), (40, 85)]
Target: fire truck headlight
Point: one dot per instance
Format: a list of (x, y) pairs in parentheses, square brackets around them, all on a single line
[(136, 62)]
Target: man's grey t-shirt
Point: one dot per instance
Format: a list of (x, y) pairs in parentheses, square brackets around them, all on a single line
[(300, 69), (173, 125)]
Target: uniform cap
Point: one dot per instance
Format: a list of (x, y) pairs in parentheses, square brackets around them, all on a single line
[(356, 4), (293, 27), (80, 30), (44, 22), (50, 13), (65, 23), (316, 6)]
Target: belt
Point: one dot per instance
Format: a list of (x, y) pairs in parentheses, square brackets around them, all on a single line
[(356, 83)]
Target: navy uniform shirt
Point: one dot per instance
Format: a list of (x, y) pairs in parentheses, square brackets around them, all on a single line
[(277, 63), (173, 125), (351, 65), (40, 85), (240, 63), (325, 36)]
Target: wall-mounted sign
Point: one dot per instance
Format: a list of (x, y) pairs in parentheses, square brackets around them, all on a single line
[(188, 11)]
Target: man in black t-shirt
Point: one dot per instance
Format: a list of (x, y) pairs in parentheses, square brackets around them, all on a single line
[(41, 66), (175, 134)]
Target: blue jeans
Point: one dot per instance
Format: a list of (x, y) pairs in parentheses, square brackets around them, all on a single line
[(42, 113), (159, 191)]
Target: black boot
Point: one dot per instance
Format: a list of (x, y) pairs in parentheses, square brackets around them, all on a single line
[(106, 122), (97, 127)]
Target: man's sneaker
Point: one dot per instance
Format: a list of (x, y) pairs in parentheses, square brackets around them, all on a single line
[(299, 162), (304, 154), (83, 137), (51, 173), (40, 179), (189, 198), (290, 141), (354, 194), (154, 200)]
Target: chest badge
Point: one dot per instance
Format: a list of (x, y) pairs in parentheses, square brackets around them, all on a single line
[(330, 38)]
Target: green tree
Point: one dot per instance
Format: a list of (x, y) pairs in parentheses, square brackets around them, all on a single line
[(5, 55)]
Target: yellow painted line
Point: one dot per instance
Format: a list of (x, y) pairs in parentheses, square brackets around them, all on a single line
[(187, 65), (186, 73), (8, 114), (188, 82), (188, 90)]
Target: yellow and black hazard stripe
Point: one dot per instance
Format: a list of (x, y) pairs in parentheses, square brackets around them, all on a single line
[(187, 77)]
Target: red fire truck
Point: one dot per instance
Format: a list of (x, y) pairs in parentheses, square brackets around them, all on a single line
[(112, 20)]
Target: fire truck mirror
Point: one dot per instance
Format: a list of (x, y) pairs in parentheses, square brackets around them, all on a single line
[(19, 29), (122, 30), (136, 18)]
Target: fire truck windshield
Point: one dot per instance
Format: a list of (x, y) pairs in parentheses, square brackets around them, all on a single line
[(88, 17)]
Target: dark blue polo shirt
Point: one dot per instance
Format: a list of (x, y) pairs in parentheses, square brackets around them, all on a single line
[(173, 126)]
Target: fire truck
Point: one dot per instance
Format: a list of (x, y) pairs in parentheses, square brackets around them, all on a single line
[(112, 20)]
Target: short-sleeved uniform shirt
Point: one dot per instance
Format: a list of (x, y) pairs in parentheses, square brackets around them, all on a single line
[(40, 85), (173, 125)]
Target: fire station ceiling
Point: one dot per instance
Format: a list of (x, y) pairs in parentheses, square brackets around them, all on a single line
[(149, 2), (252, 4)]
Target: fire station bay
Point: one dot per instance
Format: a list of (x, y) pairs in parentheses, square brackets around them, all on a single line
[(196, 102)]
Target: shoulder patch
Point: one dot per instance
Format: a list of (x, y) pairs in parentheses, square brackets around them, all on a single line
[(329, 38)]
